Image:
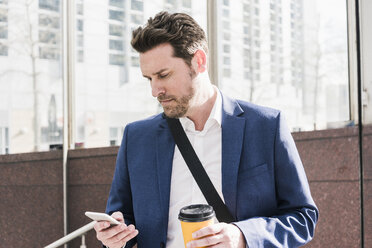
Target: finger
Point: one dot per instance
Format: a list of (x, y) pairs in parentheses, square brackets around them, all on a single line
[(128, 236), (101, 225), (207, 241), (118, 216), (123, 237), (132, 234), (220, 245), (209, 230), (111, 232)]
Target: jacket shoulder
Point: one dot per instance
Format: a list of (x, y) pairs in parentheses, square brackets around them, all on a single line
[(146, 124), (252, 110)]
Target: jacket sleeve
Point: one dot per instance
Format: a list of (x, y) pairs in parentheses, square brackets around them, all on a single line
[(120, 197), (294, 222)]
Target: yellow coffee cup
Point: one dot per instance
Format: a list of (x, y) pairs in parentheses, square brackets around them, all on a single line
[(193, 218)]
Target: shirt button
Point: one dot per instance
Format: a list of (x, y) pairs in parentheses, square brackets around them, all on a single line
[(162, 245)]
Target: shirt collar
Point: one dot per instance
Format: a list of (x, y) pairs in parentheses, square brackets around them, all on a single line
[(214, 116)]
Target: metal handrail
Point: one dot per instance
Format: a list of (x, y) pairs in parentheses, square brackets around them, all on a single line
[(77, 233)]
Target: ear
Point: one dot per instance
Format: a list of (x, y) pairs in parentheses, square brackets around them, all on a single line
[(199, 61)]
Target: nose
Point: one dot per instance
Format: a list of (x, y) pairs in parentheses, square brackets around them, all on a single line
[(157, 88)]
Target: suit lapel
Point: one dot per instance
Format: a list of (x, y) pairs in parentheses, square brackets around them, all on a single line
[(232, 142), (164, 156)]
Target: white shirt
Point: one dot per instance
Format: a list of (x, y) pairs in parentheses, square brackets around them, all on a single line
[(184, 190)]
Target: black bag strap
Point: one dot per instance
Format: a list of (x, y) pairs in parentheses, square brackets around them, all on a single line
[(198, 171)]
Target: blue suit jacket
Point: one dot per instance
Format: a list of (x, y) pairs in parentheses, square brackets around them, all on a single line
[(263, 180)]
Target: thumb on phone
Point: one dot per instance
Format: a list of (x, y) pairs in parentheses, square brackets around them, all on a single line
[(118, 216)]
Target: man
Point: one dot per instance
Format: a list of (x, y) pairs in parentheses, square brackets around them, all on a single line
[(247, 151)]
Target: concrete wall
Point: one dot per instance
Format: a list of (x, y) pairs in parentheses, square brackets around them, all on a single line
[(31, 190)]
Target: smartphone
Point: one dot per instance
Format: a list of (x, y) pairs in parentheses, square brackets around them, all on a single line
[(102, 217)]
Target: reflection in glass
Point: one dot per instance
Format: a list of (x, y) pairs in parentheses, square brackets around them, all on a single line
[(117, 3), (116, 15), (136, 19), (3, 50), (3, 32), (49, 21), (3, 15), (30, 76), (137, 5), (294, 58), (116, 30), (111, 91), (50, 5), (116, 45), (117, 59)]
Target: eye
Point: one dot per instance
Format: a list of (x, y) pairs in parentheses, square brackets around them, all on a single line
[(163, 75)]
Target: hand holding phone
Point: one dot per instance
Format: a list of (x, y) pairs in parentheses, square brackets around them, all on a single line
[(102, 217), (118, 229)]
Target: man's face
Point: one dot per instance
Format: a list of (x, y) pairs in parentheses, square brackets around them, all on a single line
[(171, 79)]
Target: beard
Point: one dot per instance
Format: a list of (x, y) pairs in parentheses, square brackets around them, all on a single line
[(181, 104)]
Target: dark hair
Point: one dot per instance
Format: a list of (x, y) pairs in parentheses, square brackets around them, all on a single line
[(179, 30)]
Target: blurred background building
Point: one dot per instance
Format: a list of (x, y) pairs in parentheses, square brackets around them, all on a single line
[(287, 54), (74, 86)]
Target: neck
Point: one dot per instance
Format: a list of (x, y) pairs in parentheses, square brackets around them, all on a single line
[(204, 101)]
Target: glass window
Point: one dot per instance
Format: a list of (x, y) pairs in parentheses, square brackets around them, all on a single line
[(247, 75), (50, 5), (52, 53), (226, 72), (116, 30), (3, 15), (226, 48), (116, 45), (226, 60), (110, 88), (226, 12), (3, 50), (4, 140), (49, 21), (80, 56), (226, 25), (226, 36), (117, 59), (137, 19), (80, 31), (117, 3), (137, 5), (49, 37), (186, 3), (3, 32), (79, 9), (246, 52), (247, 64), (116, 15), (80, 25), (285, 62), (257, 55), (135, 61), (31, 116), (80, 40), (116, 136), (171, 2)]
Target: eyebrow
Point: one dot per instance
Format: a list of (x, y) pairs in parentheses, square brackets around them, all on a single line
[(156, 73)]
